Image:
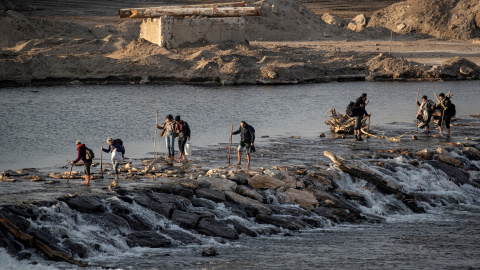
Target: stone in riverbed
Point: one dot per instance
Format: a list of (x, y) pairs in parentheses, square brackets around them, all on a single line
[(251, 207), (358, 23), (212, 227), (220, 184), (85, 204), (279, 221), (181, 236), (240, 177), (178, 202), (147, 239), (210, 251), (241, 228), (265, 182), (303, 198), (185, 219), (213, 195), (250, 193)]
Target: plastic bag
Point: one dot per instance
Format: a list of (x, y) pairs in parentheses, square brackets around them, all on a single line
[(188, 149)]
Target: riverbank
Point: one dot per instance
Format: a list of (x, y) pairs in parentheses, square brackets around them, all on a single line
[(294, 46), (166, 204)]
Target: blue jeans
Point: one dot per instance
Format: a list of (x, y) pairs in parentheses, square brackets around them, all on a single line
[(170, 142), (115, 163)]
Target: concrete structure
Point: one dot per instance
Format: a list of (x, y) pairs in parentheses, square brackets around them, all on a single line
[(172, 32)]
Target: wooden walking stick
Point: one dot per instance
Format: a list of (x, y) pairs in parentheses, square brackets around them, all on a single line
[(70, 174), (416, 102), (101, 160), (155, 141), (230, 146)]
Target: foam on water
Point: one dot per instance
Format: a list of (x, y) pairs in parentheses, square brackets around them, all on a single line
[(9, 263)]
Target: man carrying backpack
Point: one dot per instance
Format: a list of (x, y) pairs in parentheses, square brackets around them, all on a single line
[(117, 151), (183, 135), (247, 138), (448, 111), (358, 112), (87, 162)]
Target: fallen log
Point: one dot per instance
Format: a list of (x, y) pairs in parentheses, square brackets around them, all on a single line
[(340, 123), (127, 12), (382, 185), (33, 242), (182, 12)]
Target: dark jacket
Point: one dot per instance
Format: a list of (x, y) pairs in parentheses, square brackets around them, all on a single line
[(184, 129), (82, 153), (247, 133), (448, 106), (357, 109)]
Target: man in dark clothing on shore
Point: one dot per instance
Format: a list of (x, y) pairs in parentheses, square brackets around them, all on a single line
[(183, 135), (247, 139), (82, 154), (445, 105), (359, 111)]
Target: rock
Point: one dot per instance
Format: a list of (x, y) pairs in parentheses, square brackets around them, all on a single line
[(250, 193), (335, 214), (240, 228), (350, 195), (274, 173), (323, 180), (151, 203), (85, 204), (471, 155), (240, 177), (458, 176), (447, 158), (107, 221), (334, 20), (265, 182), (212, 227), (185, 219), (145, 79), (210, 251), (401, 26), (199, 202), (77, 249), (147, 239), (181, 236), (322, 135), (213, 195), (281, 221), (251, 207), (358, 23), (220, 184), (466, 71), (305, 199), (176, 201)]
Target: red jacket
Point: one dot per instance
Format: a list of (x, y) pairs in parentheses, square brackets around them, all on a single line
[(82, 153)]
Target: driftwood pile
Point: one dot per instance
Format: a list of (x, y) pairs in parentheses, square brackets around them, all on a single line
[(340, 123)]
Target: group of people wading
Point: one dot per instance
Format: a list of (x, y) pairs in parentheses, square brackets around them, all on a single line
[(424, 115), (170, 130)]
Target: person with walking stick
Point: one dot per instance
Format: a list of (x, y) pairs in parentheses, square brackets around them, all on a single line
[(183, 135), (448, 111), (87, 161), (247, 138), (117, 151)]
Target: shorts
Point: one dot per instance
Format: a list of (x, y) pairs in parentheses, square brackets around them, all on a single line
[(242, 145), (86, 167)]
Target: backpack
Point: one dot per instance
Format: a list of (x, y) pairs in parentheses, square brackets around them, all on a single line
[(120, 142), (452, 109), (349, 111), (89, 155)]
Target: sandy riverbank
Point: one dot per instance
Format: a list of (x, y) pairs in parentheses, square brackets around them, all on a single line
[(293, 46)]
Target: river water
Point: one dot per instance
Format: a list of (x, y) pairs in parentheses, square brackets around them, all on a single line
[(39, 127)]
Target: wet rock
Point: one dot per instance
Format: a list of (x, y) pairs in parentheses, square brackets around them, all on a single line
[(323, 180), (194, 184), (239, 177), (212, 227), (458, 176), (199, 202), (177, 202), (358, 23), (210, 251), (18, 221), (335, 202), (250, 193), (185, 219), (274, 173), (337, 215), (265, 182), (220, 184), (251, 207), (107, 221), (303, 198), (45, 237), (241, 228), (75, 249), (151, 203), (85, 204), (236, 209), (275, 197), (181, 236), (425, 154), (350, 195), (213, 195), (279, 221), (470, 154), (147, 239), (447, 158)]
